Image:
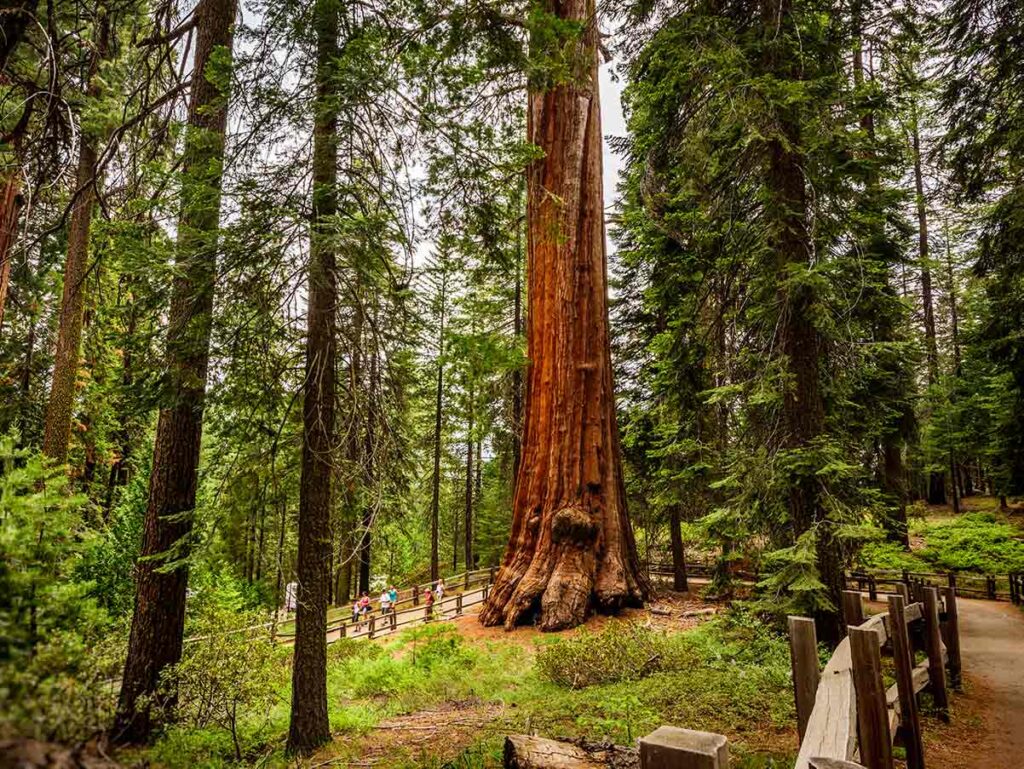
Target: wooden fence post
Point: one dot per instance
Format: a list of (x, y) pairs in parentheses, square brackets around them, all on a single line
[(853, 609), (992, 587), (872, 588), (933, 647), (373, 624), (669, 747), (872, 713), (458, 603), (415, 595), (910, 724), (803, 657), (492, 574), (952, 638)]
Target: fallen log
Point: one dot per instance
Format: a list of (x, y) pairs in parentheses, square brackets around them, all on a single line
[(524, 751)]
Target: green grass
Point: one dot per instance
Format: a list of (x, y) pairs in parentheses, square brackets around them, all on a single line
[(728, 675)]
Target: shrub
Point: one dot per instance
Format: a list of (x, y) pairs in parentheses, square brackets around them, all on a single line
[(225, 678), (67, 692), (621, 651)]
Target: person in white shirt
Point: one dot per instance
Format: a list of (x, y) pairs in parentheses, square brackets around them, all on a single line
[(385, 602)]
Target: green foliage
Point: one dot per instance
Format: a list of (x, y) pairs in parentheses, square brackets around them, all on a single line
[(67, 691), (621, 651), (227, 680), (42, 528), (890, 556), (975, 542)]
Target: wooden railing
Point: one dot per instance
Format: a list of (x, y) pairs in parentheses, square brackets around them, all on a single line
[(846, 717), (994, 587), (467, 589)]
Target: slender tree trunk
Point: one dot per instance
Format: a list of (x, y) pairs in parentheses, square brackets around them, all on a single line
[(159, 618), (435, 486), (57, 432), (10, 205), (370, 466), (885, 329), (801, 343), (679, 579), (310, 727), (936, 478), (467, 522), (571, 548), (924, 255)]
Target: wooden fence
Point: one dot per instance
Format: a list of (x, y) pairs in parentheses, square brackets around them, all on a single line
[(993, 587), (846, 717)]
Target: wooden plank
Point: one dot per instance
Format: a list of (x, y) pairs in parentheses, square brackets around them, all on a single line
[(909, 721), (935, 648), (833, 763), (951, 636), (669, 747), (803, 656), (832, 729), (853, 609), (872, 713)]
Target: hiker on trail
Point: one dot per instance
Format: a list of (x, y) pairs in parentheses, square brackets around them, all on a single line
[(355, 612), (393, 593), (365, 605), (430, 605), (385, 602), (440, 590)]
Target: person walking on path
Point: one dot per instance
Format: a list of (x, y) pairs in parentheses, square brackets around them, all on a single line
[(430, 606)]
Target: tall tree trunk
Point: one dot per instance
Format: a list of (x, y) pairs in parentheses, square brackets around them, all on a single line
[(924, 254), (10, 205), (370, 469), (936, 478), (467, 521), (435, 481), (159, 618), (679, 578), (310, 727), (886, 330), (57, 432), (801, 343), (571, 547)]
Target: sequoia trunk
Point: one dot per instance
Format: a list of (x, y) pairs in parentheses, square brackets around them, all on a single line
[(161, 574), (10, 203), (571, 547), (310, 727)]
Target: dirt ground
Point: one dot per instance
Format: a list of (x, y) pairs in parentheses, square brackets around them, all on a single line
[(987, 727)]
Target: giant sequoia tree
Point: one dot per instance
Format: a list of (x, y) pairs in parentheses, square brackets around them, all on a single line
[(571, 547)]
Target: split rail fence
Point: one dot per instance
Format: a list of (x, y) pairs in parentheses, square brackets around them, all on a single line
[(846, 717)]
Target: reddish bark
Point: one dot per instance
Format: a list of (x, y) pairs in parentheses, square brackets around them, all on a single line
[(571, 547), (158, 621), (10, 203)]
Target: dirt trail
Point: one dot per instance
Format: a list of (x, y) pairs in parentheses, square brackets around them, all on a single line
[(992, 647)]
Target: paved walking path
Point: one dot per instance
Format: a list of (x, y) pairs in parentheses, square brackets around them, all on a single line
[(992, 648)]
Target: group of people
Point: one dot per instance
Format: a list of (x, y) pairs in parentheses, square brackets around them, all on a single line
[(362, 606)]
